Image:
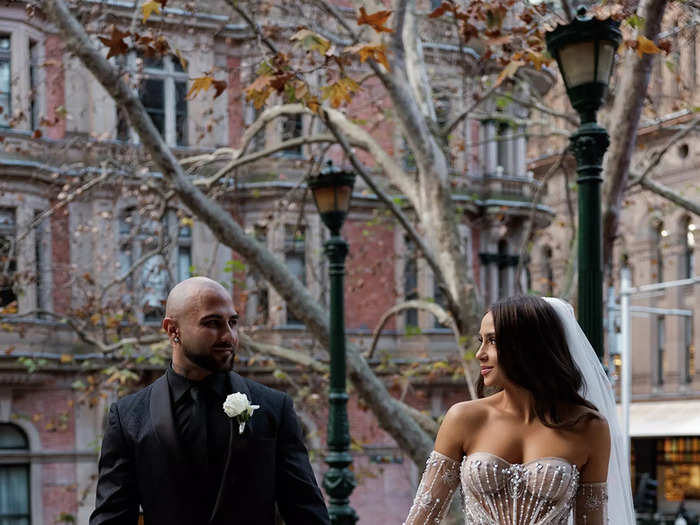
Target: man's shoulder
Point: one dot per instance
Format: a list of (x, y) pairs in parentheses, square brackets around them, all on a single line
[(136, 401), (260, 391)]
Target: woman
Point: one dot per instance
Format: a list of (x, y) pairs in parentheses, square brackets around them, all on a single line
[(544, 449)]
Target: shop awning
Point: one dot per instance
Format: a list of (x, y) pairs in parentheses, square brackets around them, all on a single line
[(664, 418)]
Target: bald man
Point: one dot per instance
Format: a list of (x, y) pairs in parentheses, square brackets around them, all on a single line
[(172, 450)]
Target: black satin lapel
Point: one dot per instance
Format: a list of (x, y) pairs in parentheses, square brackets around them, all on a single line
[(162, 418), (224, 475)]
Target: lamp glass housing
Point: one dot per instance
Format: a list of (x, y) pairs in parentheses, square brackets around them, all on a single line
[(332, 191), (332, 198), (587, 62)]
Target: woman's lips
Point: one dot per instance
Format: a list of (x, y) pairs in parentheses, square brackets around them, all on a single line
[(485, 370)]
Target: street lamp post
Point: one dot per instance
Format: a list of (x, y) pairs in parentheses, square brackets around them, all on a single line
[(584, 50), (332, 190)]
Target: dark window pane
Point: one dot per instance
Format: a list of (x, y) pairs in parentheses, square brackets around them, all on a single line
[(153, 62), (8, 261), (181, 113), (410, 277), (184, 263), (5, 90), (152, 95), (12, 437), (292, 128)]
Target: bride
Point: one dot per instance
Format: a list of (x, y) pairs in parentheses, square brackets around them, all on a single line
[(546, 448)]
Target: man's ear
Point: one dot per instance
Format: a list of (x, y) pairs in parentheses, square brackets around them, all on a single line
[(170, 326)]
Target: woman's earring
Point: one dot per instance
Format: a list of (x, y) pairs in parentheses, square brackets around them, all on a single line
[(176, 339)]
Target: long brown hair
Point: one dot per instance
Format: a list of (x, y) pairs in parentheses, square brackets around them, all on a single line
[(533, 353)]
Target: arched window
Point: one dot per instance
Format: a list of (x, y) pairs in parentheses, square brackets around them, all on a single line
[(14, 477)]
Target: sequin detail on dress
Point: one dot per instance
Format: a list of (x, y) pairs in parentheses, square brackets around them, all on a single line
[(496, 492)]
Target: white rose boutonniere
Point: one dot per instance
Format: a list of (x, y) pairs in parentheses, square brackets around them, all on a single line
[(237, 405)]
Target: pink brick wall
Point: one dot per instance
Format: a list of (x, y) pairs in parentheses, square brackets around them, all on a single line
[(55, 88), (370, 286)]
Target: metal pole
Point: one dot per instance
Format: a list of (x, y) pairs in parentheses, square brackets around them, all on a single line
[(626, 357), (588, 145), (339, 481)]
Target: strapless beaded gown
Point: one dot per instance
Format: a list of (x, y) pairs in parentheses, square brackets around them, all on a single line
[(545, 491)]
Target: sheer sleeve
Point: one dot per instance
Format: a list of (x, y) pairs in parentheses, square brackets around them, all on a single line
[(435, 491), (591, 507)]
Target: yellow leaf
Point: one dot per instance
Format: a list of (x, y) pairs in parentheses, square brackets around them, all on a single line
[(340, 91), (259, 91), (311, 41), (374, 51), (646, 46), (95, 318), (66, 358), (186, 221), (509, 71), (199, 84), (148, 8)]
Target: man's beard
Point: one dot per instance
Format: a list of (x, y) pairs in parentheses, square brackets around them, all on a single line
[(208, 362)]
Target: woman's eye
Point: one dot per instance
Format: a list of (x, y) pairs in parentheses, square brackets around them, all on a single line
[(492, 341)]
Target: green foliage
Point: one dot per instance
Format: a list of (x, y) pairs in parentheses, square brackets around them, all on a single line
[(413, 330), (32, 365)]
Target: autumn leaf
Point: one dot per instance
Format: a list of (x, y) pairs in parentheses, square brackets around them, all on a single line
[(148, 8), (66, 358), (116, 43), (646, 46), (508, 71), (340, 91), (259, 91), (441, 10), (199, 84), (374, 51), (311, 41), (376, 20)]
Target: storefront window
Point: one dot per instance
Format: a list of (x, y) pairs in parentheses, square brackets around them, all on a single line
[(679, 461)]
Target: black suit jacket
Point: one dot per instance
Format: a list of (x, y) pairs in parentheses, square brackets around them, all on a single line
[(142, 464)]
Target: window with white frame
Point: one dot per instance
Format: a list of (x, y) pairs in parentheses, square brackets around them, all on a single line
[(144, 258), (292, 127), (163, 92), (34, 85), (8, 260), (5, 81), (14, 477)]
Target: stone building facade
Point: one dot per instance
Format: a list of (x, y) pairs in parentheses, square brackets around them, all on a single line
[(657, 242), (58, 123)]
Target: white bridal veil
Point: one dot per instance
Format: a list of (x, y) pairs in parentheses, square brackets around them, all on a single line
[(598, 390)]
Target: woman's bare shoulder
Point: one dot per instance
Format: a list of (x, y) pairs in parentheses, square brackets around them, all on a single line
[(470, 412)]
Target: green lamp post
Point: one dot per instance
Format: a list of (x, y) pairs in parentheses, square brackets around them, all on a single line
[(332, 190), (585, 50)]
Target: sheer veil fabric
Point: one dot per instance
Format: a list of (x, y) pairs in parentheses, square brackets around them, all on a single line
[(598, 390)]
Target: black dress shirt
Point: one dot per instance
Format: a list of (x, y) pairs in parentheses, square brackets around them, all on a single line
[(208, 446)]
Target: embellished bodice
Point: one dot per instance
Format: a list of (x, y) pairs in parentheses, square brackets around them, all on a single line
[(495, 492)]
